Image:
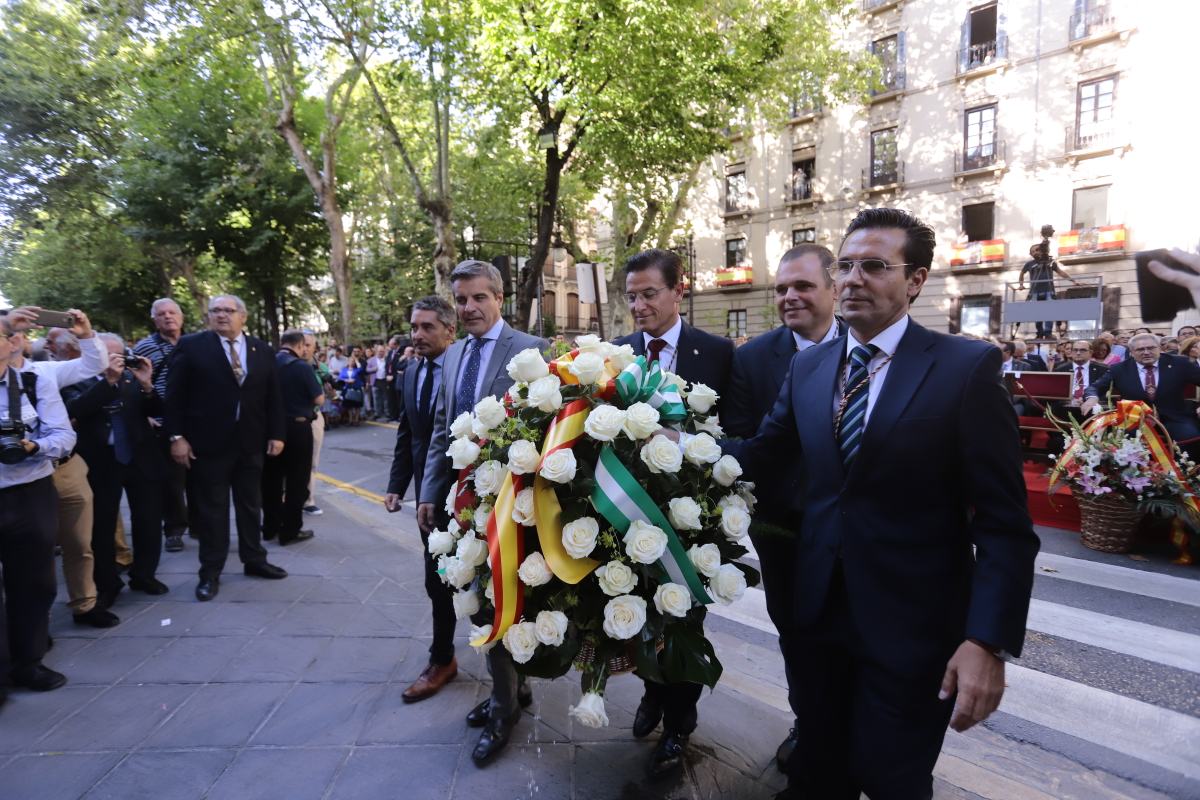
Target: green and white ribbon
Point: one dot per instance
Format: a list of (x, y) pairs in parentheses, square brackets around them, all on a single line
[(621, 500), (646, 382)]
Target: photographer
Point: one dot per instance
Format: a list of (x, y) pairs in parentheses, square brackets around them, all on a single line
[(1042, 268), (34, 431)]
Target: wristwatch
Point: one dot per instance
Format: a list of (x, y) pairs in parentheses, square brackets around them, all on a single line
[(175, 438)]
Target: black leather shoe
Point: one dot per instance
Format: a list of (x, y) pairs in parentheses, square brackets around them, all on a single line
[(106, 597), (668, 756), (38, 678), (174, 544), (299, 536), (784, 752), (207, 589), (495, 736), (646, 719), (478, 716), (97, 617), (148, 585), (268, 536), (265, 570)]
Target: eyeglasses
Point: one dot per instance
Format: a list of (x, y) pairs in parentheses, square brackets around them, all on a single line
[(870, 267), (222, 311), (647, 295)]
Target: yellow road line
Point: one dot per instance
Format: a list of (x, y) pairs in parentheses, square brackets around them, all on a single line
[(348, 487), (391, 425)]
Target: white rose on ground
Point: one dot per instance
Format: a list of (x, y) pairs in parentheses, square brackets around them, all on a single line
[(534, 571), (732, 501), (644, 543), (684, 513), (489, 590), (711, 425), (616, 578), (523, 457), (706, 558), (472, 550), (590, 711), (727, 585), (488, 476), (624, 616), (701, 398), (673, 599), (544, 393), (559, 466), (521, 641), (588, 343), (490, 412), (702, 449), (621, 357), (463, 453), (660, 454), (641, 420), (579, 536), (604, 423), (726, 470), (551, 627), (465, 604), (441, 543), (735, 523), (588, 368), (478, 632), (461, 427), (482, 514), (523, 507), (527, 366), (455, 571)]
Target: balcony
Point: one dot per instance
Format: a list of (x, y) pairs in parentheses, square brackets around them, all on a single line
[(976, 254), (799, 189), (1094, 138), (893, 82), (1092, 244), (886, 175), (741, 277), (984, 57), (986, 157), (1094, 24), (875, 6), (805, 107)]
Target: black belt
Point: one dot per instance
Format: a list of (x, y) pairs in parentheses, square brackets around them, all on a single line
[(58, 462)]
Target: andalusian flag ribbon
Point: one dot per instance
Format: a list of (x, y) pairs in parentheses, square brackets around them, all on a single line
[(646, 382), (506, 550), (565, 429), (621, 499)]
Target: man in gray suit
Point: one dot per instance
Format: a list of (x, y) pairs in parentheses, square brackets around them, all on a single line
[(475, 368)]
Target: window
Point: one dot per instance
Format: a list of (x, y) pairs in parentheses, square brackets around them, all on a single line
[(884, 168), (1094, 118), (572, 311), (981, 42), (549, 306), (979, 137), (736, 192), (548, 267), (975, 316), (804, 236), (979, 221), (890, 52), (1089, 208), (1091, 17), (803, 170), (735, 252), (735, 323)]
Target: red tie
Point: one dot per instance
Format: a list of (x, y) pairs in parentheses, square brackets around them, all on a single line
[(1078, 395), (656, 346), (1151, 387)]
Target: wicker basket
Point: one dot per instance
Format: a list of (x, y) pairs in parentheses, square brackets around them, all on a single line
[(1107, 522), (620, 663)]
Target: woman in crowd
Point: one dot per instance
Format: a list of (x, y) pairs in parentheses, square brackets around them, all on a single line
[(1190, 348), (1101, 350), (352, 379)]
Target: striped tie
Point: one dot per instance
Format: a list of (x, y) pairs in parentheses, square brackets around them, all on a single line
[(854, 417)]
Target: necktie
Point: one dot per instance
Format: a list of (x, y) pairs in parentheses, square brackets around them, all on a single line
[(122, 447), (656, 347), (426, 399), (236, 361), (464, 398), (1078, 393), (1151, 386), (854, 413)]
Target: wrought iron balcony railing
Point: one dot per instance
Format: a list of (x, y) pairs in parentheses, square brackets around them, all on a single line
[(987, 154), (981, 55), (885, 173), (893, 80), (1092, 22)]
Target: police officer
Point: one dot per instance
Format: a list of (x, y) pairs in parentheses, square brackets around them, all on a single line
[(285, 476), (34, 431)]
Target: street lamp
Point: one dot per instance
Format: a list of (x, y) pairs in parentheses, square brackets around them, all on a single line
[(547, 137)]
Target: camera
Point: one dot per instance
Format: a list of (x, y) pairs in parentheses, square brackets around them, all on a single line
[(11, 449), (133, 361)]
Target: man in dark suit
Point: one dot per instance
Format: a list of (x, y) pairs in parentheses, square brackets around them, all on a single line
[(475, 368), (1035, 361), (224, 415), (653, 292), (804, 298), (1084, 373), (433, 329), (392, 374), (914, 563)]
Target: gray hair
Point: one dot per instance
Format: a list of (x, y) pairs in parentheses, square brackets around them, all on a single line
[(237, 301), (1150, 336), (474, 268), (163, 301), (111, 337), (445, 312)]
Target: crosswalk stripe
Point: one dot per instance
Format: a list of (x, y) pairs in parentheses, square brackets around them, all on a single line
[(1124, 579), (1149, 642)]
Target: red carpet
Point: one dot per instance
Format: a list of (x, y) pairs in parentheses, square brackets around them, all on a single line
[(1064, 513)]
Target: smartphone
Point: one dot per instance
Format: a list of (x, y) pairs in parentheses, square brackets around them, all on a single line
[(1160, 300), (55, 319)]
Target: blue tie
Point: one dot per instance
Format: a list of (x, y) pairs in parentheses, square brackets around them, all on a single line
[(855, 415), (464, 398), (122, 447)]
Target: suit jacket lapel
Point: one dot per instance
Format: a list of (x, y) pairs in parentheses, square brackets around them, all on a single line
[(783, 348), (218, 344), (638, 343), (450, 378), (498, 359), (905, 374), (813, 407)]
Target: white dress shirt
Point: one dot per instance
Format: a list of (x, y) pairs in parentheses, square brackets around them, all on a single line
[(1141, 370), (240, 344), (668, 356), (887, 341), (485, 355), (423, 374), (803, 344)]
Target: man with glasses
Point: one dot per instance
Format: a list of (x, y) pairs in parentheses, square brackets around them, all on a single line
[(224, 416), (1084, 372)]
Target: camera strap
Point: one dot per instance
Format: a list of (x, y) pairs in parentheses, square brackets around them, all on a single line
[(14, 397)]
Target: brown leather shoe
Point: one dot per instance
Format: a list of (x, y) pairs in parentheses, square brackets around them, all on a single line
[(431, 680)]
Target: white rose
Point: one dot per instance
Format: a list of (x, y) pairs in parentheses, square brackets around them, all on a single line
[(455, 571), (523, 457), (551, 627), (588, 343), (701, 398), (465, 604), (616, 578), (673, 599), (579, 536), (489, 589), (559, 466), (544, 393), (641, 420), (671, 379), (521, 641), (644, 543), (711, 425), (488, 477), (702, 449), (604, 423), (472, 550), (684, 513), (726, 470), (480, 430), (522, 513), (440, 543), (461, 427), (490, 412), (527, 366), (624, 616), (534, 571), (735, 523), (481, 632), (733, 501), (482, 514), (727, 585), (463, 453), (745, 491), (451, 496), (621, 357), (706, 558), (590, 711), (588, 368), (454, 528), (660, 454)]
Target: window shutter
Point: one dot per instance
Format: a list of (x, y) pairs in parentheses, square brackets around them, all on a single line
[(954, 315), (964, 49), (901, 61), (1110, 299), (995, 314)]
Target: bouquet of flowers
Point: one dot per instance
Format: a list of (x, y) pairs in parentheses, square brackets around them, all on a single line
[(587, 536)]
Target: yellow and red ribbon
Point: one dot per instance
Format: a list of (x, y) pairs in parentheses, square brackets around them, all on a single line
[(506, 551), (565, 429)]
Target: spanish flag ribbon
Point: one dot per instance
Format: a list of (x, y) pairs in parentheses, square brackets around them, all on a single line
[(506, 551), (561, 367), (565, 429)]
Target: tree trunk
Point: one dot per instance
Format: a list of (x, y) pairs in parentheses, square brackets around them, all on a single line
[(270, 314), (444, 251), (527, 288)]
